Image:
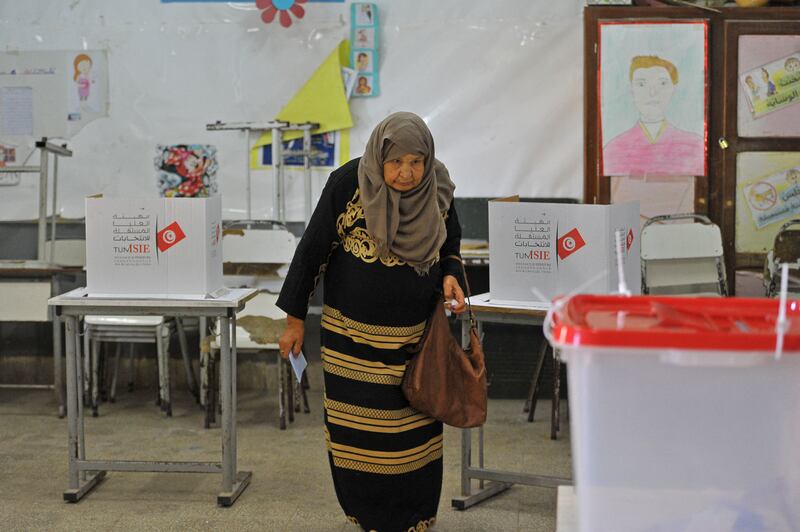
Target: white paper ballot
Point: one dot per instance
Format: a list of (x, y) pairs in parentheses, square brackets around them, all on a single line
[(298, 364)]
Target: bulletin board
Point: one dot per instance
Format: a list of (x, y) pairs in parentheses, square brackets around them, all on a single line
[(51, 94)]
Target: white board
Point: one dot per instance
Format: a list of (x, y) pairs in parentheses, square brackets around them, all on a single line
[(499, 84)]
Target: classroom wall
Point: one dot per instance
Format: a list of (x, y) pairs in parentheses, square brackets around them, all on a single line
[(499, 84)]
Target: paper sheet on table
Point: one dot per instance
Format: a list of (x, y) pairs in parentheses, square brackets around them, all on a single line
[(322, 99), (298, 365)]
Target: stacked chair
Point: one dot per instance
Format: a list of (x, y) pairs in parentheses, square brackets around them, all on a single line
[(680, 258)]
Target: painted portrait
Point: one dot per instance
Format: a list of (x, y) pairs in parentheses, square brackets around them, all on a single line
[(653, 98)]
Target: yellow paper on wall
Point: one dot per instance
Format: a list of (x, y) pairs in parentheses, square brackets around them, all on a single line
[(321, 100)]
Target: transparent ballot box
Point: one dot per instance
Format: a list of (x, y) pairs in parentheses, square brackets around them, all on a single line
[(685, 412)]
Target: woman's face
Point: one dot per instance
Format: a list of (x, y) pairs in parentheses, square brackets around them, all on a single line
[(404, 173), (84, 66), (652, 90)]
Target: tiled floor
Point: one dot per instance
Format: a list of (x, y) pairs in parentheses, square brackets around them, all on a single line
[(291, 487)]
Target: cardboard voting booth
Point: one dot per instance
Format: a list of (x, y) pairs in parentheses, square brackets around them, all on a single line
[(555, 249), (169, 247)]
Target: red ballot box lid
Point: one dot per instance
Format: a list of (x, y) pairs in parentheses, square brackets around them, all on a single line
[(708, 323)]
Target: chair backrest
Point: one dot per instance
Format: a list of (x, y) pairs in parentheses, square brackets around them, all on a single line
[(786, 246), (682, 258), (681, 241), (67, 252), (24, 301), (258, 246), (263, 304), (260, 324), (785, 250)]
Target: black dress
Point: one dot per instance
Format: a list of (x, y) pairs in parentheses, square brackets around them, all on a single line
[(385, 457)]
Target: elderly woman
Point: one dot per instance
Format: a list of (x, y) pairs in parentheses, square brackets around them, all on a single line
[(381, 232)]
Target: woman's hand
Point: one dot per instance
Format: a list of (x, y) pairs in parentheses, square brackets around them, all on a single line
[(452, 292), (292, 337)]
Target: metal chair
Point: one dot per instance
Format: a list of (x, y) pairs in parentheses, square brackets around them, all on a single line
[(785, 250), (682, 258), (133, 330), (252, 254), (258, 327)]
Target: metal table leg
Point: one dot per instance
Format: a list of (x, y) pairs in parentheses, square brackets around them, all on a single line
[(187, 363), (468, 498), (162, 350), (281, 393), (204, 349), (77, 488), (233, 483), (58, 382), (95, 355), (537, 379), (555, 421), (87, 364)]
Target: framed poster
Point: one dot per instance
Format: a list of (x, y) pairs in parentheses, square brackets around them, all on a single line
[(653, 97)]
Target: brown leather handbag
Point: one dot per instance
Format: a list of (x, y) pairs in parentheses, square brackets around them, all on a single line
[(443, 380)]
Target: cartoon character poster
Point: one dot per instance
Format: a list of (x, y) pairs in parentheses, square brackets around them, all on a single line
[(87, 86), (653, 98), (186, 170), (772, 86)]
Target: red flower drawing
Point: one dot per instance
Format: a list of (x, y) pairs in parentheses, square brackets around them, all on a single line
[(273, 7)]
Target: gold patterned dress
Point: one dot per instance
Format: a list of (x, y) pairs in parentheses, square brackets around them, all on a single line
[(385, 457)]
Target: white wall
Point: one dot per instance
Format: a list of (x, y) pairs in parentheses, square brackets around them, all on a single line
[(499, 83)]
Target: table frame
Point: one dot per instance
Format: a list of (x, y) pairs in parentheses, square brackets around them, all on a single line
[(498, 481), (85, 474)]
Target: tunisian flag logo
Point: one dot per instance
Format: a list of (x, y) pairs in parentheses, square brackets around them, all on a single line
[(169, 236), (570, 243)]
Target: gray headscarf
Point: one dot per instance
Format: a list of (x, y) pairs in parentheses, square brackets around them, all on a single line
[(409, 224)]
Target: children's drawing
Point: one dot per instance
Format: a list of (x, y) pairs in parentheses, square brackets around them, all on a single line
[(87, 87), (653, 98), (773, 86), (186, 170), (364, 15), (363, 61), (83, 81), (8, 154), (365, 38), (363, 87)]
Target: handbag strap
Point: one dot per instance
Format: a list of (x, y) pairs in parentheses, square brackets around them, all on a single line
[(466, 285)]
